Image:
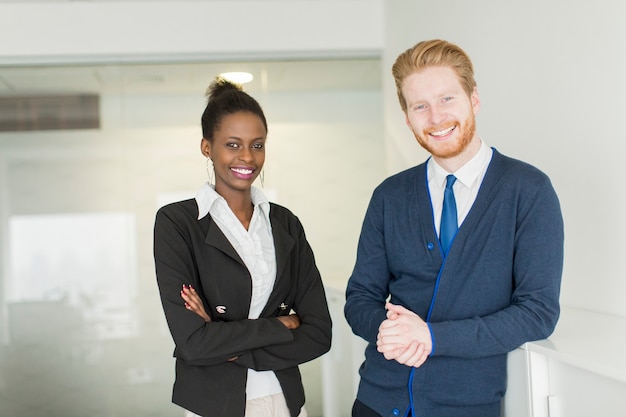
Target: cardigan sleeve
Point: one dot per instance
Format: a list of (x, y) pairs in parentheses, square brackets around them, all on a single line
[(368, 286), (313, 337), (197, 342)]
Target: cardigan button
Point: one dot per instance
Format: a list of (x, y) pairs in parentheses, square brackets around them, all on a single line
[(430, 246), (395, 412)]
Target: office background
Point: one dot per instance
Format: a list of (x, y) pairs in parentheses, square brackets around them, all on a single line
[(81, 330)]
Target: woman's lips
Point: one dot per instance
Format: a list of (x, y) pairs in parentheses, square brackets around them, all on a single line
[(243, 173)]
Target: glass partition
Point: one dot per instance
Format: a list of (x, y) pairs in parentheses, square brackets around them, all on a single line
[(82, 332)]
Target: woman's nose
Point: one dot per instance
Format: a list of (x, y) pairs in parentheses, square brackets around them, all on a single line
[(246, 154)]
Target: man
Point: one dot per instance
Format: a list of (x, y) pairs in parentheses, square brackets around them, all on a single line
[(440, 317)]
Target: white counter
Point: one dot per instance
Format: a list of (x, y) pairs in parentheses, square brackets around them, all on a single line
[(580, 370), (590, 341)]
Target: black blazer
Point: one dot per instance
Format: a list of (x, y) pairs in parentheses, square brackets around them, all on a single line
[(196, 252)]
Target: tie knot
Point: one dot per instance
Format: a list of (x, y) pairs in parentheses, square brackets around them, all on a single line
[(450, 179)]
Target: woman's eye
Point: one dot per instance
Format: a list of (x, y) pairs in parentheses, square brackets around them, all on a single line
[(232, 145), (258, 146)]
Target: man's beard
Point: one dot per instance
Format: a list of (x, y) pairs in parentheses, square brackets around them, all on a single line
[(449, 150)]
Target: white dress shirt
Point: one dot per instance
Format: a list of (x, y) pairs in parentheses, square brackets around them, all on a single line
[(255, 246), (468, 180)]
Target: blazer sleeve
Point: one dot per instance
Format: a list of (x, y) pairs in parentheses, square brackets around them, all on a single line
[(313, 337), (197, 342)]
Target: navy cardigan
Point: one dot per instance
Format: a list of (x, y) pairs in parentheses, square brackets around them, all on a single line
[(497, 288), (196, 252)]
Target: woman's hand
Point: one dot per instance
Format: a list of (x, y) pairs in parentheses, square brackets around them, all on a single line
[(193, 302), (291, 321)]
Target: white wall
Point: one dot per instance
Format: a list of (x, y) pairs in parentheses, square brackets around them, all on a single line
[(551, 79), (141, 30)]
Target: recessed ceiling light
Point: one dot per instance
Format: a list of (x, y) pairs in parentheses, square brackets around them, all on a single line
[(237, 77)]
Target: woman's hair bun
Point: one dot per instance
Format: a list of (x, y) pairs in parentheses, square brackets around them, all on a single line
[(223, 98), (221, 85)]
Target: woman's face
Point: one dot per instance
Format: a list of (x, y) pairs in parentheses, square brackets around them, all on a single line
[(237, 152)]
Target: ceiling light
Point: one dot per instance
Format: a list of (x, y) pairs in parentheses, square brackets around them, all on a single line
[(237, 77)]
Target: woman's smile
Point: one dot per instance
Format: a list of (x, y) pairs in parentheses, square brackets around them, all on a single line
[(242, 172)]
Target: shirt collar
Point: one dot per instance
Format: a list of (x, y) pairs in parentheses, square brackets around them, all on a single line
[(207, 197), (468, 173)]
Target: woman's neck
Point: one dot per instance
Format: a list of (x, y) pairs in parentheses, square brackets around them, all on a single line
[(241, 205)]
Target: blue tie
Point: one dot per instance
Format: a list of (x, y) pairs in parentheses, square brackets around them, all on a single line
[(448, 226)]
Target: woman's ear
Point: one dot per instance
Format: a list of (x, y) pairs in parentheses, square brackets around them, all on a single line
[(205, 148)]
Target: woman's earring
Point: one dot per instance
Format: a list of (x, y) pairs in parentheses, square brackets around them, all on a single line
[(210, 169)]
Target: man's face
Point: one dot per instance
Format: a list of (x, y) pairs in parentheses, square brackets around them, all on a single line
[(439, 112)]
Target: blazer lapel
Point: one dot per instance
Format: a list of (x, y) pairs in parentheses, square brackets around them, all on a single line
[(216, 238), (283, 244)]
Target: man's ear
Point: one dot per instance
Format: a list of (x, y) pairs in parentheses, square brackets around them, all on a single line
[(475, 100)]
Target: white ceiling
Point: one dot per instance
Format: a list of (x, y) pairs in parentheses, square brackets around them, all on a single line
[(185, 78)]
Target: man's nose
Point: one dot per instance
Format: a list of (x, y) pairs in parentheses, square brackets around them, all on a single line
[(437, 115)]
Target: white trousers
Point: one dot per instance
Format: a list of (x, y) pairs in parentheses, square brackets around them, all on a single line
[(269, 406)]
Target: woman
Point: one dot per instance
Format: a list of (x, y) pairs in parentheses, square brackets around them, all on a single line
[(242, 295)]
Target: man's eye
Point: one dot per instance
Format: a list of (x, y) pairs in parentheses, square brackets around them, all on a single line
[(420, 107), (446, 99), (232, 145)]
